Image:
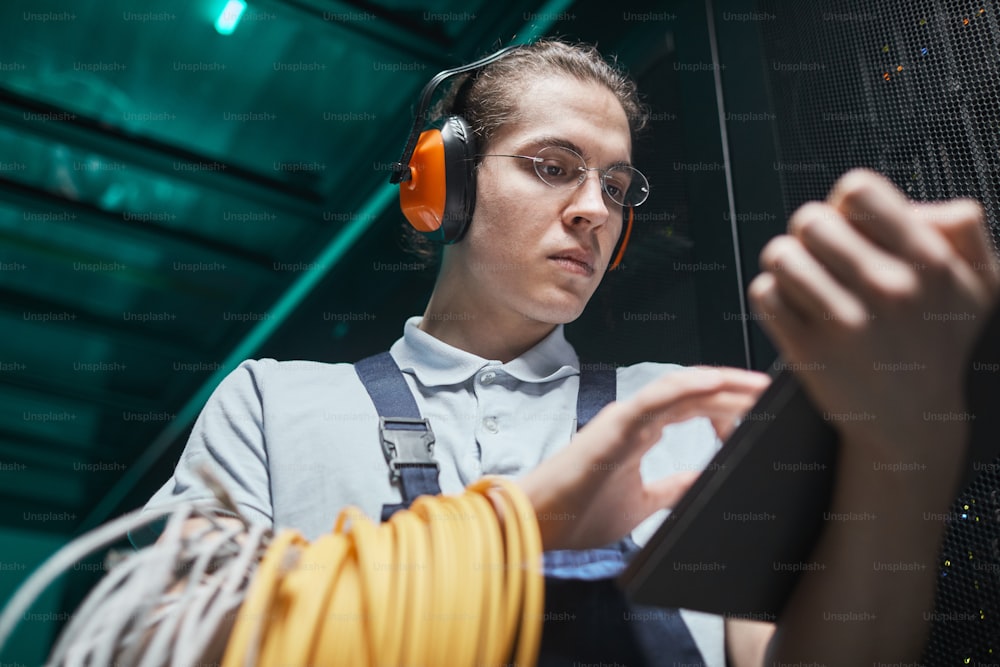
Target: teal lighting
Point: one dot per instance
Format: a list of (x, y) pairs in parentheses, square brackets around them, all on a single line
[(328, 257), (230, 17), (543, 20)]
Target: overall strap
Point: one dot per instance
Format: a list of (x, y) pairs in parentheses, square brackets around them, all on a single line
[(407, 439), (385, 384), (597, 388)]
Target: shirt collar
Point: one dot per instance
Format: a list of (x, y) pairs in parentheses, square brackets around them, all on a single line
[(436, 363)]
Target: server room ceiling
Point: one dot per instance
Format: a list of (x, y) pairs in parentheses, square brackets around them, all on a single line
[(163, 186)]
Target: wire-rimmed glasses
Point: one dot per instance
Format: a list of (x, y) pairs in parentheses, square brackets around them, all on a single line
[(563, 168)]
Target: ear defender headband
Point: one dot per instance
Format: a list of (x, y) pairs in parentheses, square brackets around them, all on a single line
[(436, 173)]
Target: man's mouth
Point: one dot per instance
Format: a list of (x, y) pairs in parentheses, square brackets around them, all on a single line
[(575, 261)]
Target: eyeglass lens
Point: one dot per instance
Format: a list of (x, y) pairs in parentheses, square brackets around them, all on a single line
[(561, 167)]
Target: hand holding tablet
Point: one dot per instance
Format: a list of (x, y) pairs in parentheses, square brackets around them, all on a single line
[(875, 303)]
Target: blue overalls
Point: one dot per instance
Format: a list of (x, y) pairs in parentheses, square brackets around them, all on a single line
[(587, 618)]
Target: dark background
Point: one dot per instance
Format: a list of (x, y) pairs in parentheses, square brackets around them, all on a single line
[(174, 200)]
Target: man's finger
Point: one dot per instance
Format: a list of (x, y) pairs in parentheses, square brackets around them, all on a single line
[(720, 407), (692, 382), (805, 285), (879, 211), (666, 493), (850, 257), (961, 222), (782, 324)]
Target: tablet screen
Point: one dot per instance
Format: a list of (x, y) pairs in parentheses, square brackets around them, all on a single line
[(738, 539)]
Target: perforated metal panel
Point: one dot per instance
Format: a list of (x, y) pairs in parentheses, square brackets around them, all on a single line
[(966, 617), (910, 88)]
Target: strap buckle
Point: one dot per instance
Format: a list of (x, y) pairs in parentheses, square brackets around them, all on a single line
[(406, 442)]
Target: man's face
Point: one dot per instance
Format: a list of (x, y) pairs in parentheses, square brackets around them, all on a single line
[(534, 250)]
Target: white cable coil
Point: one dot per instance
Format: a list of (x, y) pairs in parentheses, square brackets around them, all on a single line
[(235, 594)]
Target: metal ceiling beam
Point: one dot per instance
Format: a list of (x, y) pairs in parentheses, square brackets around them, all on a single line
[(50, 385), (85, 323), (499, 24), (159, 157), (32, 198), (42, 454), (18, 512), (385, 30), (11, 440)]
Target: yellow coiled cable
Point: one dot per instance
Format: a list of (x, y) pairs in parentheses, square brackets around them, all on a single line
[(448, 582)]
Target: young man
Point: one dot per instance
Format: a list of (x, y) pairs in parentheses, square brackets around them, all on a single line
[(488, 365)]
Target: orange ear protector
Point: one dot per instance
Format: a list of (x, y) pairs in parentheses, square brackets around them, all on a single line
[(436, 173), (440, 195), (622, 241)]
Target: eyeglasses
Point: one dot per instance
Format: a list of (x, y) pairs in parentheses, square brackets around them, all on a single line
[(563, 168)]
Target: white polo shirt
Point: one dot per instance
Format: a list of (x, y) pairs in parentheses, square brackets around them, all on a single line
[(297, 441)]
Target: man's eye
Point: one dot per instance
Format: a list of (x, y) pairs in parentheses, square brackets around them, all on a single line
[(554, 172), (616, 185)]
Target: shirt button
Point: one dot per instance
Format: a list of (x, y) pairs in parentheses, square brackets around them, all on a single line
[(487, 377), (490, 424)]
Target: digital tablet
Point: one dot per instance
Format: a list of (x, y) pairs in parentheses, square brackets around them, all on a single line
[(738, 540), (739, 537)]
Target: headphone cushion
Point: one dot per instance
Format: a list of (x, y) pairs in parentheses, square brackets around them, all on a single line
[(460, 174)]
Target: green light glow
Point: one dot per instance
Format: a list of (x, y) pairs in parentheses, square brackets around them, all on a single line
[(283, 307), (542, 22), (230, 17)]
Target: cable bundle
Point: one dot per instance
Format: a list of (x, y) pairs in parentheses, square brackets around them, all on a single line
[(135, 617), (445, 583)]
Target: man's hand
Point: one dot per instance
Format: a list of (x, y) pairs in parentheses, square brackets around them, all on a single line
[(591, 493), (881, 300), (884, 299)]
